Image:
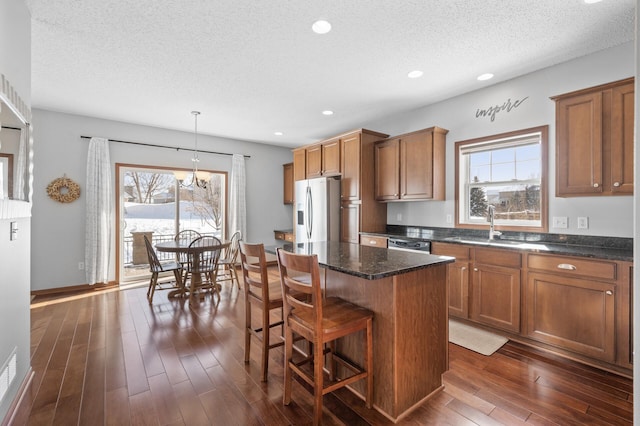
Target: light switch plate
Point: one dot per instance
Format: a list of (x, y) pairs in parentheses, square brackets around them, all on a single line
[(560, 222)]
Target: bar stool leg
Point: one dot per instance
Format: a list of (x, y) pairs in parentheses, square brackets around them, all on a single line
[(318, 357)]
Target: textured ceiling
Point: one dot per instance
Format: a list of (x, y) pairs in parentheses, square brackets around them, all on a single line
[(255, 67)]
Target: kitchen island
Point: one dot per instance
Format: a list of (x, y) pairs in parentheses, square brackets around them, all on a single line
[(408, 293)]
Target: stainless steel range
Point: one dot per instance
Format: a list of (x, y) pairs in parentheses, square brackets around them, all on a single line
[(408, 245)]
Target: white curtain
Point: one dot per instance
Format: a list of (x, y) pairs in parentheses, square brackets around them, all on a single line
[(237, 201), (99, 195), (20, 166)]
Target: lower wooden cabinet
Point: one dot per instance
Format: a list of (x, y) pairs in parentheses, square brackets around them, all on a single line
[(457, 277), (573, 313), (496, 285)]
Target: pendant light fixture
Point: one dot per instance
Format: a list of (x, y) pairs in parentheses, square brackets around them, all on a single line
[(197, 178)]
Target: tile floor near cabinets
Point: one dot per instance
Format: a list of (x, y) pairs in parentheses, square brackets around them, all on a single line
[(111, 358)]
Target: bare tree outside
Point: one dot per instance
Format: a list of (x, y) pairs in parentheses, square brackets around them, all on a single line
[(145, 186), (207, 202)]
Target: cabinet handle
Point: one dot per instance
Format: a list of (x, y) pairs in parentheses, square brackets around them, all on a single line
[(595, 185), (609, 293), (373, 242), (567, 266), (475, 269), (616, 184)]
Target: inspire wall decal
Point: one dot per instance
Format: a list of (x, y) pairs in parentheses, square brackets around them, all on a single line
[(506, 106)]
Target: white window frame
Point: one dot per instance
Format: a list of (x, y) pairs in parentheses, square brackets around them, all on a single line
[(464, 181)]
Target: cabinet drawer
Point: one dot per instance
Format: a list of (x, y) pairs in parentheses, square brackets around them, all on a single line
[(573, 266), (367, 240), (456, 250), (279, 235), (504, 258)]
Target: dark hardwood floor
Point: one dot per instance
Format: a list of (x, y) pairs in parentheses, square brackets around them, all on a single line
[(111, 358)]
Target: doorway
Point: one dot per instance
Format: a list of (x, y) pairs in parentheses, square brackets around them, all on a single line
[(151, 202)]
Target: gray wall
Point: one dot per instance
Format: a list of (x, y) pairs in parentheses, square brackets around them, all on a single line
[(60, 150), (15, 64), (611, 216)]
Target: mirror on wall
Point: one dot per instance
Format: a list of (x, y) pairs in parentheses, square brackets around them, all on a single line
[(14, 141)]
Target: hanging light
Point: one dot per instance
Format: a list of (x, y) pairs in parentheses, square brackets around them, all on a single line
[(197, 178)]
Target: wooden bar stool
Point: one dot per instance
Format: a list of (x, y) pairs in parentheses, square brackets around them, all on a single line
[(262, 293), (320, 322)]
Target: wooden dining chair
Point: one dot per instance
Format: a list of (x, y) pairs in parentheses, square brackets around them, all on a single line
[(185, 237), (202, 265), (156, 268), (322, 322), (228, 259), (261, 293)]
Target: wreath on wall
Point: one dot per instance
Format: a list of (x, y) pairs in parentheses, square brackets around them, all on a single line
[(63, 190)]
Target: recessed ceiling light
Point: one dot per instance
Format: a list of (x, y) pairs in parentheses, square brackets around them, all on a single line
[(486, 76), (321, 27), (415, 74), (278, 133), (327, 112), (592, 1)]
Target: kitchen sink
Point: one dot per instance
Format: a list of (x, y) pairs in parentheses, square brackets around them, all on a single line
[(496, 242)]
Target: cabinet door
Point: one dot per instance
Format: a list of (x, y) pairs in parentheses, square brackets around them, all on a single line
[(579, 145), (350, 223), (574, 314), (351, 167), (387, 170), (299, 164), (314, 161), (331, 158), (416, 166), (458, 289), (287, 175), (496, 296), (622, 157)]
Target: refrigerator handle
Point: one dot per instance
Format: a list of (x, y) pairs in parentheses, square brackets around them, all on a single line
[(309, 222)]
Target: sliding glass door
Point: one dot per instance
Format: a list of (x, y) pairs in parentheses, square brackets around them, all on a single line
[(152, 203)]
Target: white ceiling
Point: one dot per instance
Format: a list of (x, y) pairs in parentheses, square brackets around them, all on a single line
[(255, 67)]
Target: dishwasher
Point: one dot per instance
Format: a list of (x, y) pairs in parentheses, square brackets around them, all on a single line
[(408, 245)]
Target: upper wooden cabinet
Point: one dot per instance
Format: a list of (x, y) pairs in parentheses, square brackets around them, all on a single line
[(594, 140), (299, 164), (411, 166), (287, 177), (323, 159)]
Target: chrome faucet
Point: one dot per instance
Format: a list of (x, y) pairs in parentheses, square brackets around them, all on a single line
[(492, 232)]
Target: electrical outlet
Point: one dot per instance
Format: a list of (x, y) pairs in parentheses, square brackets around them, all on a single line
[(80, 266), (560, 222), (449, 218), (399, 217), (583, 222)]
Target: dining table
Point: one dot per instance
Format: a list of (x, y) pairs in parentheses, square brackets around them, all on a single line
[(185, 247)]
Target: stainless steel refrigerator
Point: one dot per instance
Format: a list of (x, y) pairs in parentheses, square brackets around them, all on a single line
[(317, 215)]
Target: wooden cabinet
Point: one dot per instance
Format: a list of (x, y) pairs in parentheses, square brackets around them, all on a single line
[(323, 159), (411, 166), (484, 284), (571, 303), (283, 236), (360, 211), (287, 176), (457, 276), (373, 241), (594, 140), (495, 288), (299, 164), (350, 223)]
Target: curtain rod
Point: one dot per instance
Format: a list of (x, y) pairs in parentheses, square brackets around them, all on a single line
[(165, 146)]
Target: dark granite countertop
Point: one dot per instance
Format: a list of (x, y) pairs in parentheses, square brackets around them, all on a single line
[(366, 262), (612, 248)]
